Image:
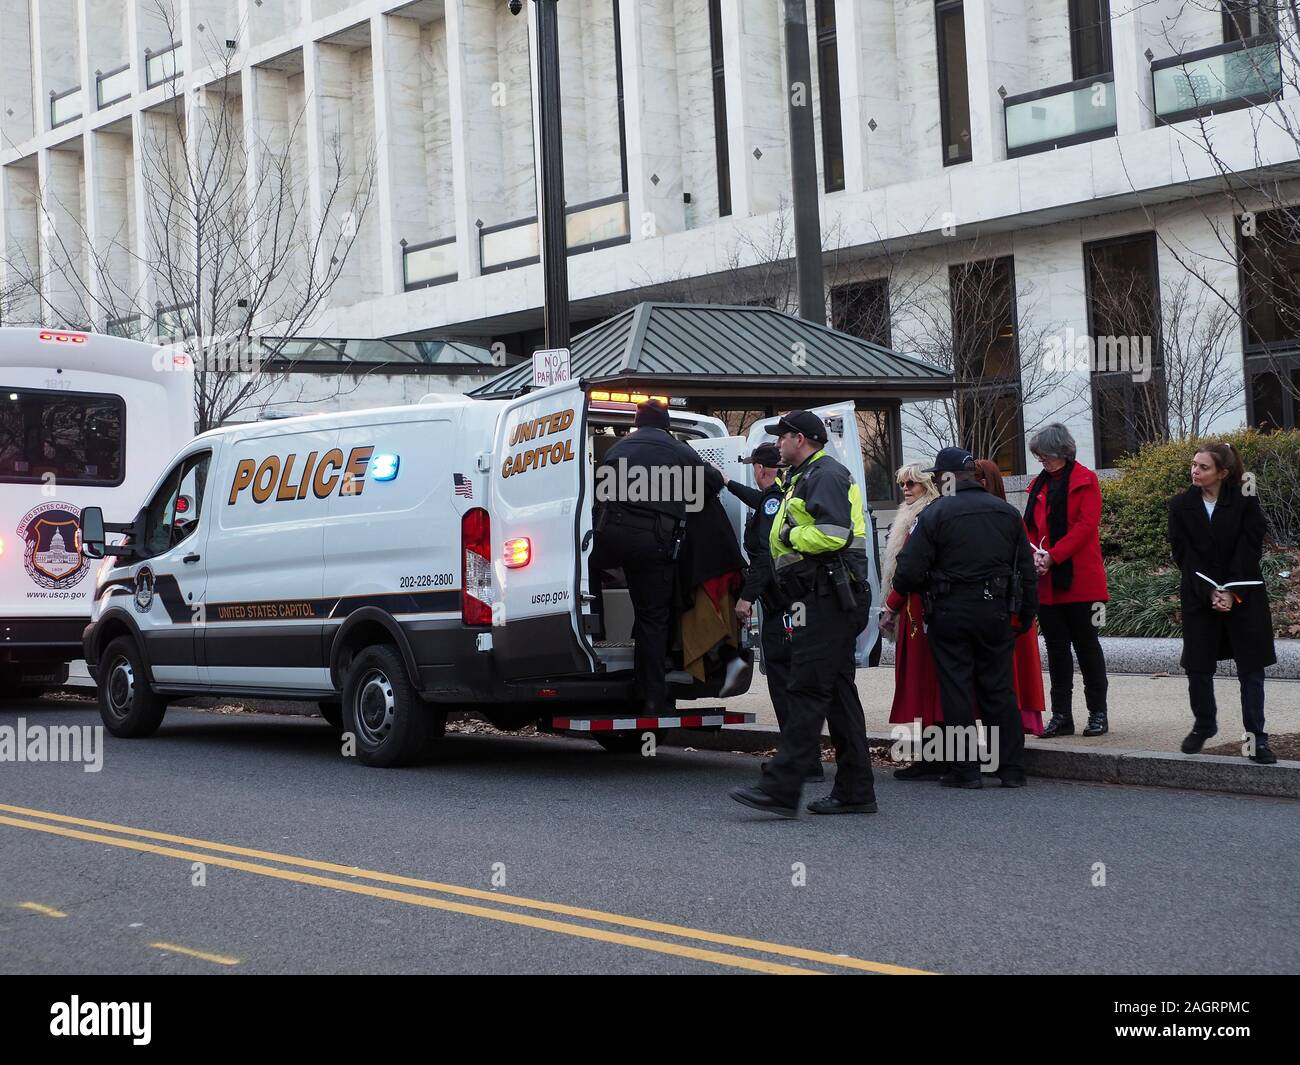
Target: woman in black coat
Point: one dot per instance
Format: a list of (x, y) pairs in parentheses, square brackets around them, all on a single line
[(1217, 530)]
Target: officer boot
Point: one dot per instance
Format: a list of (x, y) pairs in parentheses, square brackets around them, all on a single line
[(1062, 724), (1096, 724)]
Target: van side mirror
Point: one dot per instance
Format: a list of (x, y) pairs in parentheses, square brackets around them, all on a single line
[(92, 532)]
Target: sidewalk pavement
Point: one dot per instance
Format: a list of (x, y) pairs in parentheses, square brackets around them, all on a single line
[(1146, 713)]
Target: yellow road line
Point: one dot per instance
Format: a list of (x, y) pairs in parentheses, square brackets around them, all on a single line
[(600, 934), (681, 931), (36, 907), (219, 959)]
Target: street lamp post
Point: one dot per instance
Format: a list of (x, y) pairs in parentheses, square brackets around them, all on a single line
[(554, 246), (803, 165)]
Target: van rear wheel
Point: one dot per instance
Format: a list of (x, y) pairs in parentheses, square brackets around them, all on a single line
[(127, 705), (393, 726)]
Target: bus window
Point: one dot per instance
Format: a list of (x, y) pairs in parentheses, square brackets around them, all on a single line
[(72, 438)]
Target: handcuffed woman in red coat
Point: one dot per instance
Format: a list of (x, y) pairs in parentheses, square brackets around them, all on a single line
[(916, 686), (1062, 517)]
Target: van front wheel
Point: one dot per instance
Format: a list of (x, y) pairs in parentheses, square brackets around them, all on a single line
[(128, 706), (393, 726)]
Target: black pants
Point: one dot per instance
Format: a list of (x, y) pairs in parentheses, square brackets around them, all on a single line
[(1200, 686), (776, 660), (822, 691), (1065, 626), (642, 552), (972, 644)]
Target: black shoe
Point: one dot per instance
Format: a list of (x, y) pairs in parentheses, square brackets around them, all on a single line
[(761, 800), (1014, 779), (1195, 740), (1060, 725), (956, 780), (834, 806), (920, 771), (1096, 724), (816, 775), (1264, 755)]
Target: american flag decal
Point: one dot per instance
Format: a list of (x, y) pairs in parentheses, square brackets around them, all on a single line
[(464, 486)]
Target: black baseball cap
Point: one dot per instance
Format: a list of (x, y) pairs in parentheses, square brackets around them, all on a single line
[(765, 455), (952, 460), (799, 421)]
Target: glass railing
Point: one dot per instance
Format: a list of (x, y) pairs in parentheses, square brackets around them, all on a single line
[(114, 86), (332, 349), (160, 67), (1222, 78), (509, 244), (429, 264), (1078, 111), (67, 106), (597, 224), (587, 226)]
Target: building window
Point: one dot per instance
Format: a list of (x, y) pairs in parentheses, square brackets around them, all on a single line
[(954, 94), (1090, 38), (828, 81), (1123, 314), (862, 310), (1244, 19), (1270, 290), (986, 361), (719, 109)]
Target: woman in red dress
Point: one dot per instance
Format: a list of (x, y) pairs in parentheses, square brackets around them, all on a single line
[(1027, 674), (916, 687)]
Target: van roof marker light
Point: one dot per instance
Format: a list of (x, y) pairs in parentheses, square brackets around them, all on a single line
[(63, 338), (384, 467)]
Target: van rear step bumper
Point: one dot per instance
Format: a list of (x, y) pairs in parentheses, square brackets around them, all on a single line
[(712, 717)]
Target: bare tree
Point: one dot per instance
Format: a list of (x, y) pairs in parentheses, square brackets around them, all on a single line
[(234, 259), (1002, 357)]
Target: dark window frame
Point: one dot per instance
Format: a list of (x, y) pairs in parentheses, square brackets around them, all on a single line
[(722, 154), (943, 8), (857, 290), (1079, 28), (83, 482), (1108, 381), (618, 81), (169, 489), (828, 84), (1010, 386), (1258, 23)]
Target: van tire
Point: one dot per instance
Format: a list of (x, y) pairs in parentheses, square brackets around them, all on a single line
[(331, 712), (127, 704), (391, 724)]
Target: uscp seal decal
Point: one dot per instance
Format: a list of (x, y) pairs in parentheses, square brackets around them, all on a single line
[(771, 506), (144, 589), (52, 537)]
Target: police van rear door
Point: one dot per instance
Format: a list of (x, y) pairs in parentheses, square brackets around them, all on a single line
[(726, 452), (844, 444), (538, 527)]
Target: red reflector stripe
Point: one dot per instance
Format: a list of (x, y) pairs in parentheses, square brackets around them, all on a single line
[(629, 724)]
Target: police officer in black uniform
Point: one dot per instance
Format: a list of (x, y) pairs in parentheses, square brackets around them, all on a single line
[(643, 535), (818, 548), (964, 554)]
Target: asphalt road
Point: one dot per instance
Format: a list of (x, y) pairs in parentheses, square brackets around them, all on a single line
[(310, 862)]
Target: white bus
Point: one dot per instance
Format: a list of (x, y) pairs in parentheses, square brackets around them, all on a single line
[(85, 420)]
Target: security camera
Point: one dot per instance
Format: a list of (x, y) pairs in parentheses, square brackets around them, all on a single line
[(516, 6)]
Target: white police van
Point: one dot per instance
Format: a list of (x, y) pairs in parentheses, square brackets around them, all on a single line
[(85, 420), (392, 565)]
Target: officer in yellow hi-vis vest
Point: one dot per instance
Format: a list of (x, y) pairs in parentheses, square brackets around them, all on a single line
[(819, 561)]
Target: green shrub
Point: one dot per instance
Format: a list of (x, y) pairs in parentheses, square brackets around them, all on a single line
[(1134, 515)]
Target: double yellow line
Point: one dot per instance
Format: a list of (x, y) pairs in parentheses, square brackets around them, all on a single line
[(150, 842)]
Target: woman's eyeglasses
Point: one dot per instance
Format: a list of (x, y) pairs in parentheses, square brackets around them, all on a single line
[(909, 484)]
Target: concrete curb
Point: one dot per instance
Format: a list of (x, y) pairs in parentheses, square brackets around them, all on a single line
[(1106, 765)]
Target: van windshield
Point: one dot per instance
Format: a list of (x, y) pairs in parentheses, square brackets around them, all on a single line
[(76, 438)]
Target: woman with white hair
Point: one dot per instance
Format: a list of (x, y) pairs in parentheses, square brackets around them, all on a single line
[(916, 686), (1063, 518)]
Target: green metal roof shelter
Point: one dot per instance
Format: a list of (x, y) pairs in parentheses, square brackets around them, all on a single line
[(716, 355)]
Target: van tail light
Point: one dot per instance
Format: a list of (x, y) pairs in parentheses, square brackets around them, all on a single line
[(518, 552), (476, 568)]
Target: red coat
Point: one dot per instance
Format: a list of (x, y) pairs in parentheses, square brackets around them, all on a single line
[(1081, 542), (916, 686)]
